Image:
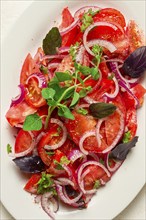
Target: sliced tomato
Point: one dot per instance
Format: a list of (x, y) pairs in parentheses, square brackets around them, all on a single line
[(96, 173), (66, 64), (131, 121), (31, 185), (33, 94), (135, 36), (104, 69), (23, 141), (67, 18), (51, 137), (68, 38), (110, 15), (29, 67), (139, 91), (17, 113)]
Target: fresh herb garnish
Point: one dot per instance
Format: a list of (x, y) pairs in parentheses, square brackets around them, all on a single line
[(50, 153), (52, 41), (9, 148), (82, 111), (73, 50), (135, 65), (101, 161), (97, 184), (63, 161), (126, 137), (121, 150), (97, 50), (101, 109), (45, 184), (44, 69), (32, 123), (87, 19)]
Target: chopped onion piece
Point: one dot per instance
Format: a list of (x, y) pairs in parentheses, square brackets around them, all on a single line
[(45, 204), (41, 79), (64, 137), (63, 49), (112, 169), (64, 181), (20, 97), (113, 95)]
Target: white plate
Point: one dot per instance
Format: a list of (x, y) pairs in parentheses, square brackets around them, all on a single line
[(26, 37)]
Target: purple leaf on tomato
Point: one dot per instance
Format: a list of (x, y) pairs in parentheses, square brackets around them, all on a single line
[(135, 65)]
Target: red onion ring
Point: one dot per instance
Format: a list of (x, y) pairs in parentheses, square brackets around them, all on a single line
[(69, 28), (84, 10), (20, 97), (111, 96), (75, 155), (94, 156), (64, 137), (117, 164), (24, 153), (63, 50), (55, 204), (53, 65), (41, 79), (103, 43), (66, 199), (64, 181), (82, 139), (44, 203), (80, 173), (120, 133), (97, 133), (56, 56), (89, 100), (37, 198)]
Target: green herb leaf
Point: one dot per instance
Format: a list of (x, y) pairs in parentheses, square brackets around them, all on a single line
[(64, 111), (9, 149), (44, 69), (73, 50), (101, 109), (50, 153), (94, 73), (63, 76), (48, 93), (97, 50), (126, 137), (97, 184), (86, 20), (82, 93), (63, 160), (82, 111), (101, 161), (45, 183), (32, 123), (52, 41), (75, 99), (51, 102)]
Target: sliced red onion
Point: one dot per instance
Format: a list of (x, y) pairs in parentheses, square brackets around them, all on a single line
[(69, 28), (24, 153), (75, 155), (68, 170), (80, 173), (77, 107), (64, 181), (63, 50), (45, 204), (55, 204), (112, 169), (41, 79), (80, 54), (119, 135), (89, 100), (20, 97), (53, 65), (66, 199), (56, 56), (94, 156), (38, 198), (38, 138), (113, 60), (82, 139), (84, 10), (111, 96), (103, 43), (88, 198), (97, 133), (64, 137)]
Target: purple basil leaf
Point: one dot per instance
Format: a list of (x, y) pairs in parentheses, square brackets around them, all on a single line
[(121, 150), (30, 164), (135, 65)]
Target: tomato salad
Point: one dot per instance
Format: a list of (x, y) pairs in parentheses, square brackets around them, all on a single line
[(76, 113)]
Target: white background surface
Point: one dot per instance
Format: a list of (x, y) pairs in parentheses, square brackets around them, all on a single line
[(10, 12)]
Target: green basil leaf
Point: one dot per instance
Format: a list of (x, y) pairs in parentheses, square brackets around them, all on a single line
[(101, 109), (63, 76), (94, 73), (65, 112), (32, 123), (51, 102), (48, 93), (52, 41), (82, 111), (75, 99), (82, 93)]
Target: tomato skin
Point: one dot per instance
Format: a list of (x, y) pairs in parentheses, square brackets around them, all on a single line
[(17, 113), (31, 185), (29, 67), (67, 18), (131, 121), (23, 141), (110, 15), (139, 91)]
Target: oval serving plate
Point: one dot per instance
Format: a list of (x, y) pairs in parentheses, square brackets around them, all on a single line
[(26, 36)]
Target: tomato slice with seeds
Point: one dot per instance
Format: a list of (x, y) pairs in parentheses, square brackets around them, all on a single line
[(23, 141), (31, 185), (33, 94), (131, 122)]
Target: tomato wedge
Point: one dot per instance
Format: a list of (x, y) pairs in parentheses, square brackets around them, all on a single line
[(17, 113), (31, 185), (23, 141)]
